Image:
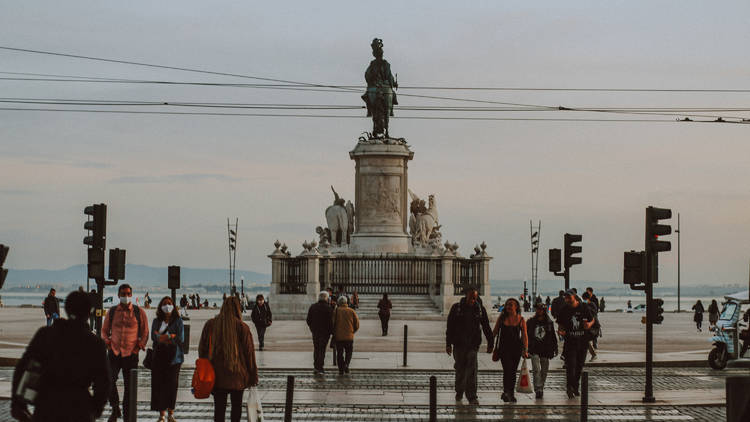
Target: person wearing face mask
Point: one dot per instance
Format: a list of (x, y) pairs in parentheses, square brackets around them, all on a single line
[(168, 336), (125, 332)]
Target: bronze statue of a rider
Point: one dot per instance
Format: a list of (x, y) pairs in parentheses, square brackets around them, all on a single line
[(380, 96)]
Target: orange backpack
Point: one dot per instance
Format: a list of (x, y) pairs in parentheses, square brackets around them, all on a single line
[(204, 376)]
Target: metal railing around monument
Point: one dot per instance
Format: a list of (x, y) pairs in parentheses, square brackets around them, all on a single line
[(466, 274), (293, 274), (380, 274)]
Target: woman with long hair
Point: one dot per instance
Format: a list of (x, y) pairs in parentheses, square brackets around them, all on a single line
[(228, 343), (168, 336), (698, 316), (513, 343)]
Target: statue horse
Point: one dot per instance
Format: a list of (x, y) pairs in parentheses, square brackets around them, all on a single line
[(425, 222), (338, 224)]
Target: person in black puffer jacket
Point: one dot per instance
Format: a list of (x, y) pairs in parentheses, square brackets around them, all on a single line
[(320, 321), (466, 322), (542, 346), (262, 318), (72, 360)]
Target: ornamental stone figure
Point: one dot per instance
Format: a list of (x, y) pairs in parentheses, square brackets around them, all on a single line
[(380, 96)]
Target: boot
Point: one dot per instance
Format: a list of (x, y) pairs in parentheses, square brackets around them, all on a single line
[(115, 414)]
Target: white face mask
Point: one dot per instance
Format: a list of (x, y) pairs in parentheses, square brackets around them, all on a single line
[(167, 309), (125, 300)]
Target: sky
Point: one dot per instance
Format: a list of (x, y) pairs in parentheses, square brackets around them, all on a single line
[(171, 181)]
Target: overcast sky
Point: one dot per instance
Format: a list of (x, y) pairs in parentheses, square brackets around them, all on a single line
[(171, 181)]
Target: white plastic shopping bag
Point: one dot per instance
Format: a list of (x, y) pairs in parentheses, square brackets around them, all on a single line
[(254, 408), (524, 380)]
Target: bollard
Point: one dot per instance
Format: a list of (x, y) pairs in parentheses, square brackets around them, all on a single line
[(186, 343), (738, 398), (133, 396), (289, 398), (406, 339), (584, 396), (433, 399)]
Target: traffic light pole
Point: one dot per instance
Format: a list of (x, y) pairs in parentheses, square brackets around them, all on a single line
[(649, 396), (566, 274)]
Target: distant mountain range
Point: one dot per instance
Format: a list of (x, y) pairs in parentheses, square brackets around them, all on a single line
[(145, 276), (141, 275)]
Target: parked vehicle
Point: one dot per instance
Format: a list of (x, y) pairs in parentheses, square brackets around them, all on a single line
[(725, 336)]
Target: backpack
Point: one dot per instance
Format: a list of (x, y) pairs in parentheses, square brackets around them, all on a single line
[(204, 376), (136, 311)]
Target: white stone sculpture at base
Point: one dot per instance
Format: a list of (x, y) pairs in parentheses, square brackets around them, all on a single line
[(423, 220), (337, 218)]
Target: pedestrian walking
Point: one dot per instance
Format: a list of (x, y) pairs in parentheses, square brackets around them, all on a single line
[(467, 320), (575, 320), (601, 304), (557, 304), (228, 343), (51, 306), (167, 337), (593, 333), (262, 318), (320, 322), (125, 332), (147, 301), (184, 302), (592, 297), (73, 361), (547, 302), (542, 346), (713, 314), (345, 324), (698, 315), (384, 313), (630, 307), (513, 343), (355, 300)]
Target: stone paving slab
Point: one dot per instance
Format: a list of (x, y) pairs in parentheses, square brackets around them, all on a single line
[(203, 412)]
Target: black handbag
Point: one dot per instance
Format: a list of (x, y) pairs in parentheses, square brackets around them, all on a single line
[(148, 361)]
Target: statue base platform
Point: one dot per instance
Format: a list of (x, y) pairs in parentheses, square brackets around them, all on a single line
[(380, 243)]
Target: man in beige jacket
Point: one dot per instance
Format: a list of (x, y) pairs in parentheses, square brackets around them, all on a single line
[(345, 324)]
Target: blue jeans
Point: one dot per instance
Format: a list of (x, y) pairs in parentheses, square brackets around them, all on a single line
[(52, 318)]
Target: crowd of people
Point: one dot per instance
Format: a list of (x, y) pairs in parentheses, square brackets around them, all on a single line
[(82, 369)]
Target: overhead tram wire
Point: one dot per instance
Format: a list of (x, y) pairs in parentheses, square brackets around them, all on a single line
[(349, 88), (544, 119), (676, 112)]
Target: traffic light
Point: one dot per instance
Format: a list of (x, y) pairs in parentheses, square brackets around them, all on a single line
[(654, 230), (117, 264), (173, 280), (97, 225), (653, 244), (656, 310), (3, 271), (633, 268), (96, 264), (555, 264), (571, 249)]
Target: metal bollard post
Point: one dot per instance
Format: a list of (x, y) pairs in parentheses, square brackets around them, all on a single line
[(433, 399), (406, 339), (133, 396), (584, 396), (289, 398)]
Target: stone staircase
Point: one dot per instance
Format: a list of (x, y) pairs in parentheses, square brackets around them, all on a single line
[(405, 307)]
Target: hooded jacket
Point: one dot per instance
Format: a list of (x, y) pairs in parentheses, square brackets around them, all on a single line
[(72, 359), (466, 323), (542, 337)]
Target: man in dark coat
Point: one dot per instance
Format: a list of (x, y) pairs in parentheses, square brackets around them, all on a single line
[(72, 360), (466, 322), (320, 321), (262, 318), (51, 307), (557, 305)]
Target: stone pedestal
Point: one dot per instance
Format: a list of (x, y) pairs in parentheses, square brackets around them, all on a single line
[(381, 198)]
